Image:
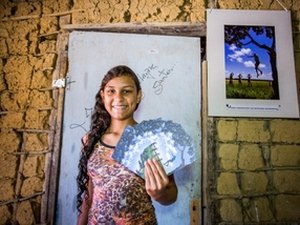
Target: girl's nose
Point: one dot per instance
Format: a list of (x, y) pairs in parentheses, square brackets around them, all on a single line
[(119, 95)]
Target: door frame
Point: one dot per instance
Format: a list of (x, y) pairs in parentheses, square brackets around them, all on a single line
[(59, 77)]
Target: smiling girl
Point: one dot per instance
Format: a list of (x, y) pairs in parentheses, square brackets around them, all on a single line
[(108, 192)]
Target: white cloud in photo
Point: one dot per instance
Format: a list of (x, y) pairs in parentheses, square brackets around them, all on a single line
[(250, 64), (261, 65), (238, 54), (232, 47)]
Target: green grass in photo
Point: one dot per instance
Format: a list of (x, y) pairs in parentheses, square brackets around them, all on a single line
[(257, 90)]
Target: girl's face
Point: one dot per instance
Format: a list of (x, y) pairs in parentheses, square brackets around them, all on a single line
[(120, 97)]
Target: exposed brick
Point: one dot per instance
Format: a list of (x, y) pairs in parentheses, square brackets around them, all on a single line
[(39, 99), (36, 142), (250, 157), (41, 166), (36, 119), (4, 215), (49, 25), (34, 166), (227, 184), (28, 8), (285, 155), (22, 29), (229, 4), (24, 213), (41, 79), (254, 182), (31, 185), (288, 207), (47, 46), (198, 12), (9, 141), (17, 75), (8, 164), (259, 210), (6, 189), (17, 46), (227, 130), (3, 48), (296, 6), (230, 211), (3, 85), (58, 6), (3, 33), (253, 131), (30, 166), (12, 120), (287, 181), (14, 101), (228, 156), (49, 61), (285, 131)]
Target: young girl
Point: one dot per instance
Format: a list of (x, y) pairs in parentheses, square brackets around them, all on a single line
[(108, 192)]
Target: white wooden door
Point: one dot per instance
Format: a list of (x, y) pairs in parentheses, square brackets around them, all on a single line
[(169, 71)]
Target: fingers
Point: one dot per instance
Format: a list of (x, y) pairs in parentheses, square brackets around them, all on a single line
[(156, 179), (157, 170)]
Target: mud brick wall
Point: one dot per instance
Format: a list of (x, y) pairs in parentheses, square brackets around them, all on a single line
[(254, 164), (257, 172)]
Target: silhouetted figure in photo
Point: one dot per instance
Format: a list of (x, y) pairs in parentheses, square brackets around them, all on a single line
[(240, 78), (249, 80), (257, 63), (231, 79)]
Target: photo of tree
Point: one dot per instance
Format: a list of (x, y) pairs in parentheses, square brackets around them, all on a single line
[(250, 62)]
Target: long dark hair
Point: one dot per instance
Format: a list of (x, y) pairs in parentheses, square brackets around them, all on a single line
[(100, 121)]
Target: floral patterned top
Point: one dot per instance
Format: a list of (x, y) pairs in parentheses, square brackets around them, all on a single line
[(119, 196)]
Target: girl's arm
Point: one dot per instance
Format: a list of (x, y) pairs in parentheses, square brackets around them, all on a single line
[(86, 204), (159, 186)]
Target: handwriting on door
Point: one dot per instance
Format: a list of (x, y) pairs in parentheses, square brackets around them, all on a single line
[(82, 125), (159, 76)]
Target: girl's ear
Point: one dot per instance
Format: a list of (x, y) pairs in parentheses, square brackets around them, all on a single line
[(139, 96), (102, 95)]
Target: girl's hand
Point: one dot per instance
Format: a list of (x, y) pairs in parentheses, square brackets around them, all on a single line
[(158, 185)]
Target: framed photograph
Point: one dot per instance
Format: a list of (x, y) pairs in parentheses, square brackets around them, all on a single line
[(251, 71)]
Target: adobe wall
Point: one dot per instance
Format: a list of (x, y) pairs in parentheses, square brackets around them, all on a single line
[(254, 164)]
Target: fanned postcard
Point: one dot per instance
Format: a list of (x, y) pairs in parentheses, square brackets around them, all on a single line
[(165, 141)]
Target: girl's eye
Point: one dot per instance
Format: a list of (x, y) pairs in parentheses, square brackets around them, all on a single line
[(110, 91), (113, 91), (126, 91)]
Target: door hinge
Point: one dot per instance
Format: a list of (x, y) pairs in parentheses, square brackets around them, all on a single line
[(195, 212)]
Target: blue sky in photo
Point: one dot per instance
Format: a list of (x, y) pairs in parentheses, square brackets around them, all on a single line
[(239, 60)]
